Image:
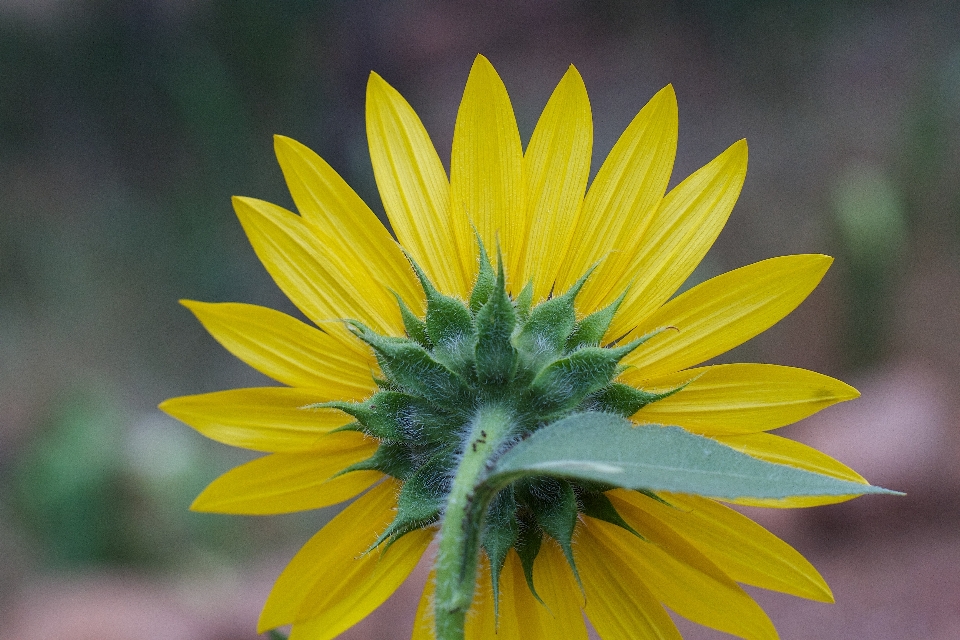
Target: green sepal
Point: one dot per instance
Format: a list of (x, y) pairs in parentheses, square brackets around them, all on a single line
[(544, 334), (625, 400), (421, 499), (654, 496), (554, 506), (500, 533), (524, 301), (623, 350), (591, 329), (496, 357), (411, 367), (528, 547), (598, 506), (391, 457), (486, 279), (563, 384), (351, 426), (449, 325), (377, 416), (415, 327), (385, 385)]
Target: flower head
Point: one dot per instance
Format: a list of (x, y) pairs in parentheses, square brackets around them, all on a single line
[(513, 299)]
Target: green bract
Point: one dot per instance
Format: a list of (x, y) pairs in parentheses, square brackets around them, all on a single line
[(535, 365)]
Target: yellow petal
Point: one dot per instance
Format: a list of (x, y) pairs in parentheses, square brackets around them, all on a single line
[(742, 549), (622, 200), (521, 616), (724, 312), (346, 599), (679, 235), (619, 604), (329, 553), (415, 192), (288, 482), (262, 419), (333, 567), (324, 281), (681, 577), (480, 622), (731, 399), (288, 350), (341, 220), (554, 582), (773, 448), (485, 168), (555, 170)]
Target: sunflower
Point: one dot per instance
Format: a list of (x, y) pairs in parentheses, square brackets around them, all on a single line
[(512, 295)]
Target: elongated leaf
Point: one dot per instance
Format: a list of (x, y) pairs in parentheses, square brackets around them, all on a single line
[(609, 449)]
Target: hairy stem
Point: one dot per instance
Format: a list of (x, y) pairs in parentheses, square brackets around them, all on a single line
[(459, 547)]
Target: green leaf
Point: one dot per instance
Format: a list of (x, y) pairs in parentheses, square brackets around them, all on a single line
[(606, 448)]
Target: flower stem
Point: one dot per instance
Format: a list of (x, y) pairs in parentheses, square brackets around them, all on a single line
[(459, 548)]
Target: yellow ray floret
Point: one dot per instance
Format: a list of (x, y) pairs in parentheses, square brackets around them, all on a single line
[(289, 482), (555, 170), (415, 191), (262, 419), (333, 582), (731, 399), (486, 181), (289, 351)]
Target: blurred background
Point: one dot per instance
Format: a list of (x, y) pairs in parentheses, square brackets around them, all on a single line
[(125, 127)]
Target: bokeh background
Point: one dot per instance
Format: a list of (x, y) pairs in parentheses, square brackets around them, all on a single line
[(126, 125)]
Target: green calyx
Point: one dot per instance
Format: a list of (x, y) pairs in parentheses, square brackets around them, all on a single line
[(496, 354)]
